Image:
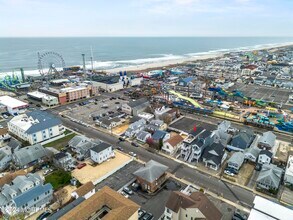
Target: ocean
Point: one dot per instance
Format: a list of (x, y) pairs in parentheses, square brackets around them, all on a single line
[(116, 52)]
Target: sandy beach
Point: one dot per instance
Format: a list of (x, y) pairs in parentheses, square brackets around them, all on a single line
[(168, 63)]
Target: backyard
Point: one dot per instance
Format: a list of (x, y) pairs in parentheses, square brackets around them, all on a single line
[(60, 143), (58, 179)]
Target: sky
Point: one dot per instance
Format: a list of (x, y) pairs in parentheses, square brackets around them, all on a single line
[(61, 18)]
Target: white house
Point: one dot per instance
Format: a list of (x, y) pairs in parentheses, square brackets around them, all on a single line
[(171, 145), (264, 157), (36, 126), (86, 191), (142, 136), (101, 152), (288, 178)]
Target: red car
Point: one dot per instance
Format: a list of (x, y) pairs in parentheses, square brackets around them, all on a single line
[(81, 165)]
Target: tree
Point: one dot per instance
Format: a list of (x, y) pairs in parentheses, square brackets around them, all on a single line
[(60, 196), (167, 119), (152, 143)]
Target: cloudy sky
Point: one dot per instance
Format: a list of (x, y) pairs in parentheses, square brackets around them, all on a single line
[(146, 18)]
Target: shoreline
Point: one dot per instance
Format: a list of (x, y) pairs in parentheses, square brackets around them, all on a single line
[(172, 63)]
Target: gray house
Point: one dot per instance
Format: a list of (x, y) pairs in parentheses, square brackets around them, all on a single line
[(242, 140), (142, 136), (236, 160), (5, 157), (267, 141), (135, 127), (63, 160), (25, 194), (28, 156), (214, 155), (251, 154), (269, 177), (82, 145), (135, 107)]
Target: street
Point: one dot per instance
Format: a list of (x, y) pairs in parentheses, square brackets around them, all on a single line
[(228, 191)]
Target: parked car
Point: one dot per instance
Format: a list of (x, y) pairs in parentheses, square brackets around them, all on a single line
[(44, 215), (229, 173), (117, 103), (121, 139), (238, 216), (124, 194), (132, 154), (128, 191), (46, 172), (81, 165), (231, 170), (120, 148), (134, 144), (147, 216), (141, 212)]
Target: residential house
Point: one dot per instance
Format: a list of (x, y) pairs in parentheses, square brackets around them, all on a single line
[(86, 190), (82, 145), (223, 134), (5, 157), (25, 194), (267, 141), (269, 177), (101, 152), (236, 160), (63, 160), (9, 177), (142, 136), (159, 124), (104, 204), (195, 206), (192, 151), (30, 155), (109, 123), (151, 176), (135, 127), (242, 140), (252, 153), (136, 107), (170, 146), (36, 126), (214, 155), (188, 81), (264, 157), (160, 135), (288, 178)]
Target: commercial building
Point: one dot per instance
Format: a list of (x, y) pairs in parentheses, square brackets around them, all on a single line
[(13, 106), (71, 93), (104, 204), (46, 99), (36, 126)]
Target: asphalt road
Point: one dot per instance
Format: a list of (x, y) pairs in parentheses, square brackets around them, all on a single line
[(228, 191)]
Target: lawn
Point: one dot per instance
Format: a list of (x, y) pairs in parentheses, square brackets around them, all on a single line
[(58, 179), (60, 143), (66, 132)]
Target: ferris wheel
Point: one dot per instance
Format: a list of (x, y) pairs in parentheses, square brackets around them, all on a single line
[(50, 64)]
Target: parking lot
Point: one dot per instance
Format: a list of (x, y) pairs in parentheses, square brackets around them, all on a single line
[(268, 93), (91, 108)]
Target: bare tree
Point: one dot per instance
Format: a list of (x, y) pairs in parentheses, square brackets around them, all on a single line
[(60, 196)]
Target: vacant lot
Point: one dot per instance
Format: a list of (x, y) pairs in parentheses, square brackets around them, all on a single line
[(58, 179), (60, 143)]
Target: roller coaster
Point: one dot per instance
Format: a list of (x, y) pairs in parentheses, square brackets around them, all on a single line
[(9, 82)]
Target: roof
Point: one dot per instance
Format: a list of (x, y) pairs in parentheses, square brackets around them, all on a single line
[(265, 209), (237, 157), (187, 79), (175, 140), (29, 154), (159, 134), (31, 194), (120, 207), (151, 171), (100, 147), (214, 152), (289, 167), (84, 189), (268, 138), (142, 135), (136, 103), (60, 155), (266, 152), (253, 150), (8, 178), (66, 208), (270, 174), (12, 102), (243, 139), (45, 121), (197, 200)]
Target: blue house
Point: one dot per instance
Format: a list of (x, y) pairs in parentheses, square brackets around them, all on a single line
[(186, 81), (160, 135)]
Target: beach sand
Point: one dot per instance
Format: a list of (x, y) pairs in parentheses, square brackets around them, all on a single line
[(170, 63)]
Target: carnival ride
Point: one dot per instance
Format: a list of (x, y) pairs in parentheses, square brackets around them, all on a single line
[(49, 64), (9, 82)]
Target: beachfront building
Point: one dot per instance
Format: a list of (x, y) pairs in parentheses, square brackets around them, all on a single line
[(12, 105), (71, 93), (36, 126)]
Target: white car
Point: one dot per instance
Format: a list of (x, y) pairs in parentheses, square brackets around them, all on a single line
[(132, 154), (124, 194), (229, 173)]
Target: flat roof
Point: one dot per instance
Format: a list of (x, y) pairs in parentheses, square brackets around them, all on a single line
[(36, 94), (265, 209), (12, 102)]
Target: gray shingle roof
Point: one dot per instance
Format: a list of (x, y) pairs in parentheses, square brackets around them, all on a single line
[(151, 171), (29, 154), (46, 120), (237, 157), (100, 147), (268, 138), (134, 104), (270, 174), (31, 194)]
